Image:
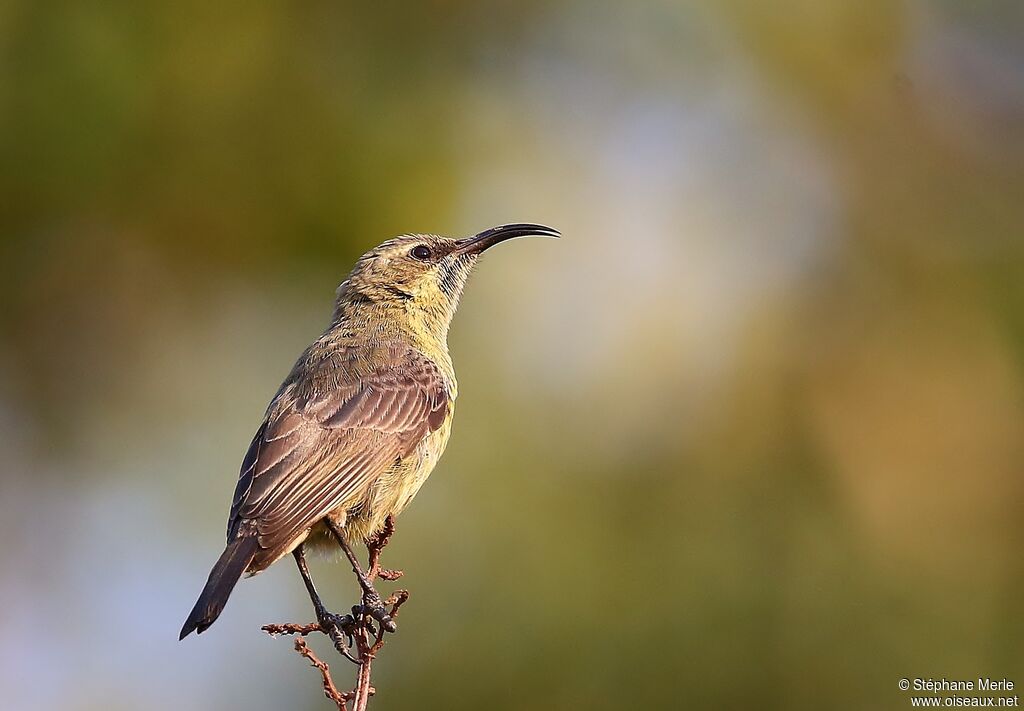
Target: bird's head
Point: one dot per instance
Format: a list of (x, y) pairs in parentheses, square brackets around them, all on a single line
[(422, 276)]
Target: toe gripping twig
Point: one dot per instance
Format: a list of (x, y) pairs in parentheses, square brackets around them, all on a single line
[(363, 630)]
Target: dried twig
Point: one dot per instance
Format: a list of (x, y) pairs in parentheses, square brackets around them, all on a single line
[(366, 635), (330, 690), (290, 628)]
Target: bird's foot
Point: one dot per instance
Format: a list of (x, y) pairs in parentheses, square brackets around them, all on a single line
[(342, 623), (341, 629), (373, 608)]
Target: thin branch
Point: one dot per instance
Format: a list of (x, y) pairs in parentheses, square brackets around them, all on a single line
[(363, 689), (290, 628), (330, 690), (364, 633)]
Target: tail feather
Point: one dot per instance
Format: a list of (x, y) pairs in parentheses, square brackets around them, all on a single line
[(226, 572)]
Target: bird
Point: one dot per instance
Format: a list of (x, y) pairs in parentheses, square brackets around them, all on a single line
[(360, 421)]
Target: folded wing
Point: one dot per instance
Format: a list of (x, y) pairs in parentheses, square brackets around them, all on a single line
[(326, 439)]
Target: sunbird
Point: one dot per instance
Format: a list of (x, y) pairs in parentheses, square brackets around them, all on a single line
[(360, 421)]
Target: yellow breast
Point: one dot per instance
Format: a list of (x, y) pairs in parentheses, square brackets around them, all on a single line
[(396, 487)]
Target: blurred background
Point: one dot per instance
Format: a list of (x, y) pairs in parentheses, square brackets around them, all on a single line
[(750, 436)]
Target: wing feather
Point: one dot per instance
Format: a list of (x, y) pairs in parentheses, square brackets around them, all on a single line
[(328, 435)]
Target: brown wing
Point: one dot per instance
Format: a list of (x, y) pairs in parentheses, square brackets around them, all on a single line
[(328, 436)]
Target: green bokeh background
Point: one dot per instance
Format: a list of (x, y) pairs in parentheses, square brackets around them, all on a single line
[(750, 436)]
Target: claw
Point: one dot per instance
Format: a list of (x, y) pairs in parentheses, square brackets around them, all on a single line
[(340, 628)]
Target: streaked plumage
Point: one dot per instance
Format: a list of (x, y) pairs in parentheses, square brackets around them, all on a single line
[(363, 417)]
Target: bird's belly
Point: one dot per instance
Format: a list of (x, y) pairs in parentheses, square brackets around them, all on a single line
[(395, 488)]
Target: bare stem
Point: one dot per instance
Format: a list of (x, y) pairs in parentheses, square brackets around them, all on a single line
[(330, 690), (367, 637)]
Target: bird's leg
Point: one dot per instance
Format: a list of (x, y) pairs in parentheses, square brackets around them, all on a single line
[(372, 604), (322, 615), (334, 626)]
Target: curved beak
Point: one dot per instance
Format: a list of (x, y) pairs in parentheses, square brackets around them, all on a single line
[(488, 238)]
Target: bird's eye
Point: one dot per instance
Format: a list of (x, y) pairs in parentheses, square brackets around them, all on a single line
[(421, 252)]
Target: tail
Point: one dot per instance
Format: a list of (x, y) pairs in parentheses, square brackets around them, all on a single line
[(226, 572)]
